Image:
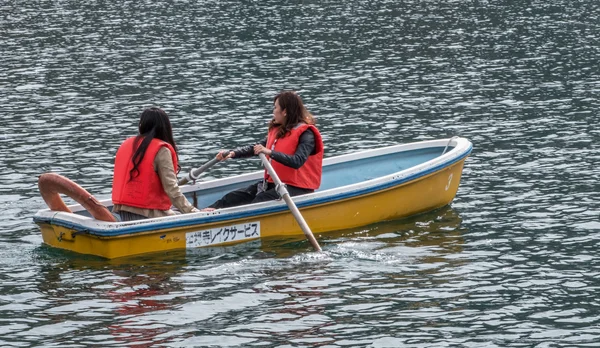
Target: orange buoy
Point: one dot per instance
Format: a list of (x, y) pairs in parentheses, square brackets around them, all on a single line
[(51, 185)]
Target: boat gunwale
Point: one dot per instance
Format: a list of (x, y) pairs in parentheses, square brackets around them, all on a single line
[(462, 148)]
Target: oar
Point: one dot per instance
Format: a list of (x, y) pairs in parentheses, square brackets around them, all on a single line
[(195, 173), (286, 197), (449, 141)]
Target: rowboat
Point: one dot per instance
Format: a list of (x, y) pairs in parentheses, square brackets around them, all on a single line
[(357, 189)]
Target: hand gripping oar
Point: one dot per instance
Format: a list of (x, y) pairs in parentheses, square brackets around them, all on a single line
[(282, 191), (195, 173)]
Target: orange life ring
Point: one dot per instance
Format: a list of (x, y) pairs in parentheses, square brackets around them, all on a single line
[(51, 185)]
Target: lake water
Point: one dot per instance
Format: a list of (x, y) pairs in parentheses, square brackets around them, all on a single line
[(512, 262)]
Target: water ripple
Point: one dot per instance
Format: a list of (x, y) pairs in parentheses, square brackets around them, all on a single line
[(512, 263)]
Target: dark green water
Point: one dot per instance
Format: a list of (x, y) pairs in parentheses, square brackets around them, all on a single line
[(512, 262)]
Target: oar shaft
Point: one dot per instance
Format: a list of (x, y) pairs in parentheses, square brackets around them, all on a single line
[(290, 203), (449, 141), (300, 219), (195, 173)]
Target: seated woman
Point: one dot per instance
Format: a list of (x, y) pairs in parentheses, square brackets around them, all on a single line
[(294, 147), (145, 176)]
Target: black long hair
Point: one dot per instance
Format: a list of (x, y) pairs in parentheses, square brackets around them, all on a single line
[(154, 123), (295, 112)]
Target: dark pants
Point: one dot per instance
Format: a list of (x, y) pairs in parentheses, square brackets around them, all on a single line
[(250, 194)]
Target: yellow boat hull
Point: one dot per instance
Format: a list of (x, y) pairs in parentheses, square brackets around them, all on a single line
[(420, 195)]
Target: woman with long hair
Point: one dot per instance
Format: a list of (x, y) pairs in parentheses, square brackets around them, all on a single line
[(146, 167), (294, 147)]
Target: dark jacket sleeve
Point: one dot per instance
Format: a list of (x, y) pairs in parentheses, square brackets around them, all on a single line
[(248, 150), (306, 147)]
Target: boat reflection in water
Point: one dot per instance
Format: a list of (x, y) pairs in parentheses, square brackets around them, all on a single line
[(138, 300), (117, 294), (428, 237)]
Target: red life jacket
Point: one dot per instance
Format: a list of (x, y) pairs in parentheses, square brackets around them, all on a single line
[(144, 191), (309, 175)]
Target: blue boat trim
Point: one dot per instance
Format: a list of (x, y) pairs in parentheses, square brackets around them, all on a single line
[(249, 213)]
